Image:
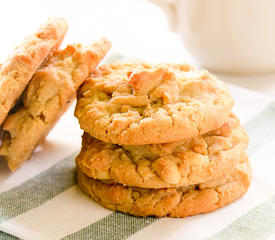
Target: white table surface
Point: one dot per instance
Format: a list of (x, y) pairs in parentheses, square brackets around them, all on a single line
[(137, 28)]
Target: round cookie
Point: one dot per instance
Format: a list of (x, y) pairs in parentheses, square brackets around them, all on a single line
[(171, 202), (182, 163), (50, 92), (139, 103), (21, 64)]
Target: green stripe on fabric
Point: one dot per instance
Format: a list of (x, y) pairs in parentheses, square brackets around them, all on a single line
[(261, 129), (5, 236), (38, 189), (259, 222), (116, 226), (256, 224), (260, 134)]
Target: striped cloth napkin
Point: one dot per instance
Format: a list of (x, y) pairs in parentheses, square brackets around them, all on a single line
[(42, 201)]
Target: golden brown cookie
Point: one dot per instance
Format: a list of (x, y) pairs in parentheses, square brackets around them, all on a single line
[(48, 95), (1, 134), (171, 202), (184, 163), (139, 103), (21, 64), (165, 165)]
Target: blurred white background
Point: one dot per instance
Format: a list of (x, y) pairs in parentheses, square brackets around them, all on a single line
[(137, 28)]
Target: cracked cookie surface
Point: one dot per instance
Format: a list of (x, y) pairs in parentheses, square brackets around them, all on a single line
[(171, 202), (47, 97), (21, 64), (139, 103), (182, 163)]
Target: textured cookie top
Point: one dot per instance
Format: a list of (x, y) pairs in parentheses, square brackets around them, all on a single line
[(48, 95), (184, 163), (19, 67), (138, 103), (171, 202)]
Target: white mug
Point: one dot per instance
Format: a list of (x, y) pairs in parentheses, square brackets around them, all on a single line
[(233, 36)]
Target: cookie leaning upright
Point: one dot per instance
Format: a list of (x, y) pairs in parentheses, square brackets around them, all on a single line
[(50, 92), (21, 64), (138, 103)]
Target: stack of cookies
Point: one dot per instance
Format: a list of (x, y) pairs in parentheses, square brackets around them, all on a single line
[(160, 140), (38, 82)]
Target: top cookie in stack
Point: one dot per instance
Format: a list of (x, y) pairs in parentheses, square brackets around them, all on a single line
[(160, 140), (139, 103)]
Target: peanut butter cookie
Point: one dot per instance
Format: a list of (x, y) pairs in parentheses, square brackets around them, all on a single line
[(184, 163), (48, 95), (139, 103), (21, 64), (171, 202)]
